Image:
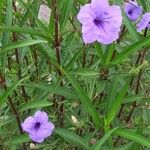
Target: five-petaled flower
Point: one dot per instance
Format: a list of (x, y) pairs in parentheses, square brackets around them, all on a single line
[(132, 10), (144, 23), (100, 22), (38, 126)]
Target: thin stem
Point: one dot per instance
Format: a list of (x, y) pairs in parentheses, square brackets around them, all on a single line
[(58, 56), (14, 109)]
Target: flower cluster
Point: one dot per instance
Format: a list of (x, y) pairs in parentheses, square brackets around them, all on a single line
[(102, 22), (133, 11), (38, 127)]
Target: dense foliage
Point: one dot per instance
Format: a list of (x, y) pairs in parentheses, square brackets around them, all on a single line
[(96, 94)]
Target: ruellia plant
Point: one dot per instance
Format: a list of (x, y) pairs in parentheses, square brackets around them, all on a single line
[(74, 74)]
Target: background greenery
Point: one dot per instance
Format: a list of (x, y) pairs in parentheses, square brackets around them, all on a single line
[(97, 96)]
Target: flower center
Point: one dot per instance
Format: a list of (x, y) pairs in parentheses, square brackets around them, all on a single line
[(37, 125), (130, 12), (97, 22)]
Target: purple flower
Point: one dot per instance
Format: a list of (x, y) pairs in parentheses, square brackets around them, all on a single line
[(100, 22), (144, 23), (132, 10), (38, 126)]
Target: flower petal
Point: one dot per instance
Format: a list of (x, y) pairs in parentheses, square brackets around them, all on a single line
[(108, 39), (28, 124), (36, 137), (85, 15), (41, 116), (109, 30), (88, 34), (98, 6), (47, 129), (144, 23), (116, 16)]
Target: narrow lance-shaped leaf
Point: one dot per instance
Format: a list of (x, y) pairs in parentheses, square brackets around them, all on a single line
[(5, 36), (20, 44), (85, 72), (1, 2), (113, 94), (36, 104), (65, 12), (99, 144), (52, 88), (116, 104), (24, 30), (131, 49), (144, 5), (109, 53), (4, 96), (72, 137), (87, 103), (100, 52), (133, 137)]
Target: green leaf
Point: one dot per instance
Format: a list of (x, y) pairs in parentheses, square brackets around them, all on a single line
[(23, 30), (55, 89), (133, 137), (1, 2), (108, 53), (133, 98), (10, 90), (67, 7), (100, 53), (85, 72), (72, 60), (72, 137), (99, 144), (35, 104), (5, 36), (113, 94), (144, 5), (20, 139), (131, 49), (124, 147), (20, 44), (82, 2), (87, 103), (116, 104)]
